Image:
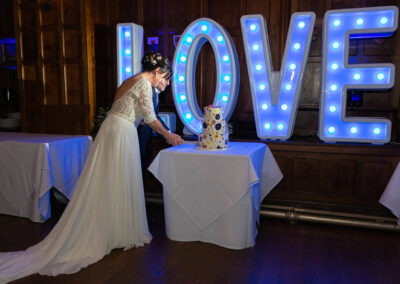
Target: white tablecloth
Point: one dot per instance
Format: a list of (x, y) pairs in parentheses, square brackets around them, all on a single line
[(391, 196), (31, 164), (214, 196)]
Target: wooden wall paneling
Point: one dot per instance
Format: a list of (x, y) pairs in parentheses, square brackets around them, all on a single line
[(53, 64), (351, 176), (52, 85), (104, 88), (127, 10), (180, 13), (29, 44), (54, 117), (285, 164), (257, 7), (72, 38), (226, 13), (305, 182), (73, 78), (36, 118), (7, 19), (50, 45), (340, 176), (278, 21), (374, 178), (101, 11), (50, 16), (71, 13), (347, 4), (306, 124)]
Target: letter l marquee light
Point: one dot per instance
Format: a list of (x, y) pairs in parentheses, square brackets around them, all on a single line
[(129, 50), (275, 95), (338, 76), (184, 71)]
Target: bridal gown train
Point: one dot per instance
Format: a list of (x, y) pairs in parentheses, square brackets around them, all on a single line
[(107, 209)]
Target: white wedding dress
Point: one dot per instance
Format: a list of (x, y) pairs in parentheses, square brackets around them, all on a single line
[(107, 209)]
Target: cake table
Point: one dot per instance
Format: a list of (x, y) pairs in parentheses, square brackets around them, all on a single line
[(215, 196)]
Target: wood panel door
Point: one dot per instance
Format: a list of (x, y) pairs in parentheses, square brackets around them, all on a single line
[(54, 65)]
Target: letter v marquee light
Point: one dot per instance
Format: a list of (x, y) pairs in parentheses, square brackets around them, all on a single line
[(338, 76), (275, 95), (184, 70)]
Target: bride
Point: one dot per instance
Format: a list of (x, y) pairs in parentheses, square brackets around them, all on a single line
[(107, 209)]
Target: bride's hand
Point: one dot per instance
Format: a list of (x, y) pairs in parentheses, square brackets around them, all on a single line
[(173, 139)]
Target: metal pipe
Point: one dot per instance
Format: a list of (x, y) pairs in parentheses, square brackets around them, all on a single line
[(295, 217), (331, 217)]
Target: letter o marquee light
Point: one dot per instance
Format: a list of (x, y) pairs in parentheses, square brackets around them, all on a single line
[(184, 71)]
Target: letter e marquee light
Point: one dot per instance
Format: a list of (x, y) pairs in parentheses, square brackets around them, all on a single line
[(338, 76)]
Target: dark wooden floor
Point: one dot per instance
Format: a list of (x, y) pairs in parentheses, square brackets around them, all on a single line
[(284, 253)]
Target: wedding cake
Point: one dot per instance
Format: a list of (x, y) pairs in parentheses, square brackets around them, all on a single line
[(215, 130)]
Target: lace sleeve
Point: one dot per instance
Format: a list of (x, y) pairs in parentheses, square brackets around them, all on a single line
[(144, 99)]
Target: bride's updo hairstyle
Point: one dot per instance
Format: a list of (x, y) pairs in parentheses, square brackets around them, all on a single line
[(153, 60)]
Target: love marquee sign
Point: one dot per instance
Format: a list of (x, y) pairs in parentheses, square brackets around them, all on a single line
[(275, 94)]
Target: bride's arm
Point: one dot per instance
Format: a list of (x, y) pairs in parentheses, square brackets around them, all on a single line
[(145, 102), (171, 138)]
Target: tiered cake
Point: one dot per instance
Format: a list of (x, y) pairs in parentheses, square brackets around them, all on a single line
[(215, 130)]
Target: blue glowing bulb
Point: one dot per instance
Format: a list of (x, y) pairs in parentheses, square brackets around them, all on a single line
[(296, 46), (332, 108), (253, 27), (183, 98), (331, 129), (336, 23), (292, 66), (261, 87), (183, 58), (335, 45), (377, 131), (359, 21), (128, 69), (258, 67), (256, 47), (301, 25), (225, 58), (264, 106), (220, 38), (334, 66), (333, 87), (204, 28), (357, 76), (383, 20), (380, 76), (288, 87), (224, 98), (188, 116), (181, 78), (353, 130), (281, 126), (128, 51), (267, 126), (227, 78), (127, 34), (189, 39), (284, 107)]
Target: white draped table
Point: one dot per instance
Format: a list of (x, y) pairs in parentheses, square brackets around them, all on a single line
[(215, 196), (391, 196), (31, 164)]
